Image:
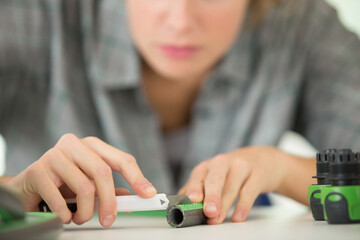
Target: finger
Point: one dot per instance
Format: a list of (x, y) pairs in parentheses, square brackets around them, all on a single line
[(122, 192), (248, 195), (94, 167), (123, 163), (76, 180), (49, 192), (237, 176), (183, 190), (213, 186), (194, 188)]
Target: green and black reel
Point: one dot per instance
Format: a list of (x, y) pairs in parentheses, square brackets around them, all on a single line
[(339, 192), (15, 223), (322, 176)]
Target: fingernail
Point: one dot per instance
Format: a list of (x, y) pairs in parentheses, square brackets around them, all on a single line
[(149, 189), (239, 216), (108, 221), (210, 207)]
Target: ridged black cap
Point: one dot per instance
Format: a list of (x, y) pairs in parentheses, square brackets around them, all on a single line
[(323, 166), (345, 168)]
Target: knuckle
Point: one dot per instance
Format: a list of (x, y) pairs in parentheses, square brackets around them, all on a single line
[(219, 159), (237, 164), (86, 188), (92, 139), (52, 155), (214, 178), (58, 205), (103, 171), (230, 189), (240, 163), (200, 166), (68, 138), (54, 152), (130, 159), (32, 172)]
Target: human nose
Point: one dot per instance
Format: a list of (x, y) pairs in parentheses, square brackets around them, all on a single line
[(180, 17)]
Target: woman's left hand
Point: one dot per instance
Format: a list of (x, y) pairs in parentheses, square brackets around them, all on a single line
[(242, 174)]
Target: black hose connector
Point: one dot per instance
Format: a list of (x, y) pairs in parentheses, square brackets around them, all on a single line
[(323, 166), (345, 168)]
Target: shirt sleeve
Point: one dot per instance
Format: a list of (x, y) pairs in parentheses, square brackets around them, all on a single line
[(7, 43), (329, 104), (25, 40)]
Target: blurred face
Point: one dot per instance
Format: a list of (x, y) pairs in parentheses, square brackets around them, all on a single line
[(181, 39)]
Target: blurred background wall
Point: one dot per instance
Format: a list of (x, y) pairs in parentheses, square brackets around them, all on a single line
[(349, 13)]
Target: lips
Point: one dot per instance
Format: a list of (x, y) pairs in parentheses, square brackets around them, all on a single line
[(179, 52)]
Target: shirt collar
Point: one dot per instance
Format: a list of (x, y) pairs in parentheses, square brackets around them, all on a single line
[(235, 66)]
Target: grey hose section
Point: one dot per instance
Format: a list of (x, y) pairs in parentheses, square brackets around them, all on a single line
[(179, 216)]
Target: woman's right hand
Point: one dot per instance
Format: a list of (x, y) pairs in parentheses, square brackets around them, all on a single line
[(83, 168)]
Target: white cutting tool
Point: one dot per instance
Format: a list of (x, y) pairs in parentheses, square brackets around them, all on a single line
[(132, 203)]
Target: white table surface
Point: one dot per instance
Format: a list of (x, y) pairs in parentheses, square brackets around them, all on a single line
[(263, 223)]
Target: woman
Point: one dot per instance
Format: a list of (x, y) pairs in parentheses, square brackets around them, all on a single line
[(195, 92)]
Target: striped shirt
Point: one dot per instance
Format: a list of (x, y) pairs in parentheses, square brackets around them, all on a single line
[(71, 66)]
